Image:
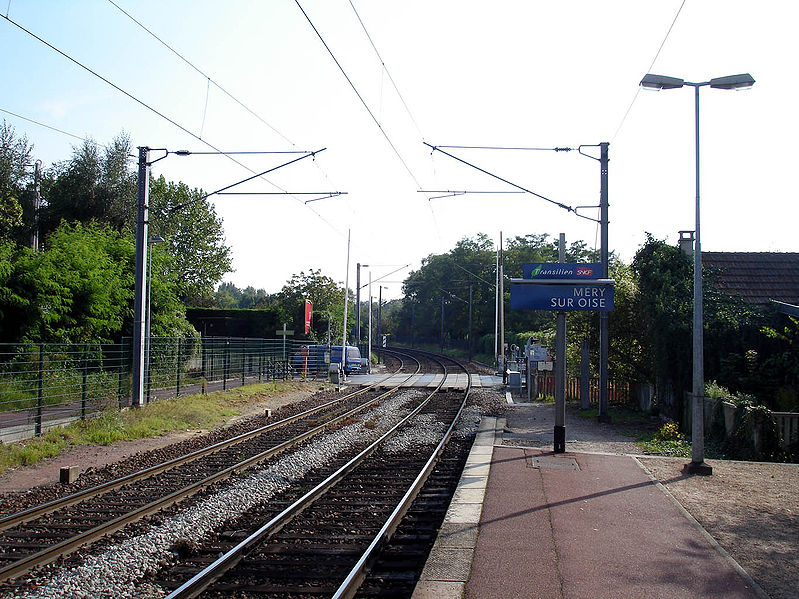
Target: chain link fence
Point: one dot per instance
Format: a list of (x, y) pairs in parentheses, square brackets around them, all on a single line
[(46, 385)]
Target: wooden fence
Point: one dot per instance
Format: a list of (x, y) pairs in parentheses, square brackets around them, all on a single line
[(618, 392)]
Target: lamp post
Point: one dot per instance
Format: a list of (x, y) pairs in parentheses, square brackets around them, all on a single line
[(150, 243), (734, 82)]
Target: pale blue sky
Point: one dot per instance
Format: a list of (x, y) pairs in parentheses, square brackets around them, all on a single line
[(512, 73)]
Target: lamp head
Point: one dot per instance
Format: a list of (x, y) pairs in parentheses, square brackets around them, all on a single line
[(658, 82), (156, 239), (734, 82)]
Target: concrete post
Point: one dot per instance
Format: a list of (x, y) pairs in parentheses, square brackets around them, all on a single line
[(142, 218)]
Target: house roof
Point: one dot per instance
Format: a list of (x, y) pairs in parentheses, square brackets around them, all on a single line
[(757, 277)]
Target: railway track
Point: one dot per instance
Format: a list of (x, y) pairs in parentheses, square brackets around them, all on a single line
[(39, 534), (379, 514), (325, 542)]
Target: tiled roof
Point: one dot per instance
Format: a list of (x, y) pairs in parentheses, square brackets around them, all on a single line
[(757, 276)]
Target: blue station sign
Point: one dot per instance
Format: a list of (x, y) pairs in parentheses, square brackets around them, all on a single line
[(550, 270), (567, 296)]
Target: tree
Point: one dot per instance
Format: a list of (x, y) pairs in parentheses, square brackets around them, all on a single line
[(194, 236), (92, 186), (80, 288), (326, 297), (665, 316), (15, 174)]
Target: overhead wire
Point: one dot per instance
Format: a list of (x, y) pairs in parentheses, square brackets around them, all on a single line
[(368, 110), (358, 94), (385, 68), (508, 148), (157, 112), (524, 189), (216, 84), (649, 70), (56, 129), (200, 71)]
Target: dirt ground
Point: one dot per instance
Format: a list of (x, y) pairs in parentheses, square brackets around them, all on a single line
[(750, 508), (97, 456)]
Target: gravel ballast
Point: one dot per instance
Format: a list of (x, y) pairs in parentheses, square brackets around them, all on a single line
[(117, 571)]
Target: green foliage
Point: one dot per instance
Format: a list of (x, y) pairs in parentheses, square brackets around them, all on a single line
[(755, 436), (15, 175), (185, 413), (78, 289), (717, 392), (327, 300), (194, 238), (228, 296), (666, 441), (91, 186)]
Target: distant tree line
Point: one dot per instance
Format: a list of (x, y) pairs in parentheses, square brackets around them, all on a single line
[(747, 350), (288, 304)]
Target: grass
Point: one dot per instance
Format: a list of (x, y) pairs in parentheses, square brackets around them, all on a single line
[(666, 440), (189, 412)]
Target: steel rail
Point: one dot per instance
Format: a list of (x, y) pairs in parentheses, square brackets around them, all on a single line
[(67, 546), (203, 579), (28, 514), (356, 576)]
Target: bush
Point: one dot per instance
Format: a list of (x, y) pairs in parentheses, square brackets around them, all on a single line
[(755, 436)]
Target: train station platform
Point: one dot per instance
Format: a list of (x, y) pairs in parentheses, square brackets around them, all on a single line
[(454, 382), (527, 524)]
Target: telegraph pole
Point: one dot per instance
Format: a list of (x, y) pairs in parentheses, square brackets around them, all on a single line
[(346, 304), (358, 303), (470, 323), (603, 415), (142, 225)]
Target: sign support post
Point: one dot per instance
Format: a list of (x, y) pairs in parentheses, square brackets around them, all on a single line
[(560, 367), (561, 288)]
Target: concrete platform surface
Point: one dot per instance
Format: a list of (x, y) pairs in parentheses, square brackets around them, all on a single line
[(456, 381), (602, 530)]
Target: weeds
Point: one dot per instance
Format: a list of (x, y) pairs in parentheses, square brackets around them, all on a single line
[(189, 412), (667, 440)]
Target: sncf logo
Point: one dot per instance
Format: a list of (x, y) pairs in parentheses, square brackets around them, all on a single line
[(584, 271)]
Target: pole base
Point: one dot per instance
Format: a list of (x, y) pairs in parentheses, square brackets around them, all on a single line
[(560, 439), (700, 468), (604, 418)]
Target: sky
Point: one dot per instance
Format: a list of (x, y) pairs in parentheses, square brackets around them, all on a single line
[(371, 82)]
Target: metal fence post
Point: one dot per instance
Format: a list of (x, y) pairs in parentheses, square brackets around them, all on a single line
[(148, 370), (203, 362), (83, 381), (261, 362), (225, 364), (177, 368), (243, 354), (39, 396), (120, 370)]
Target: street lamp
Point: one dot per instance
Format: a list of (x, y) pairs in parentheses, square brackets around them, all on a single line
[(657, 83), (150, 242)]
